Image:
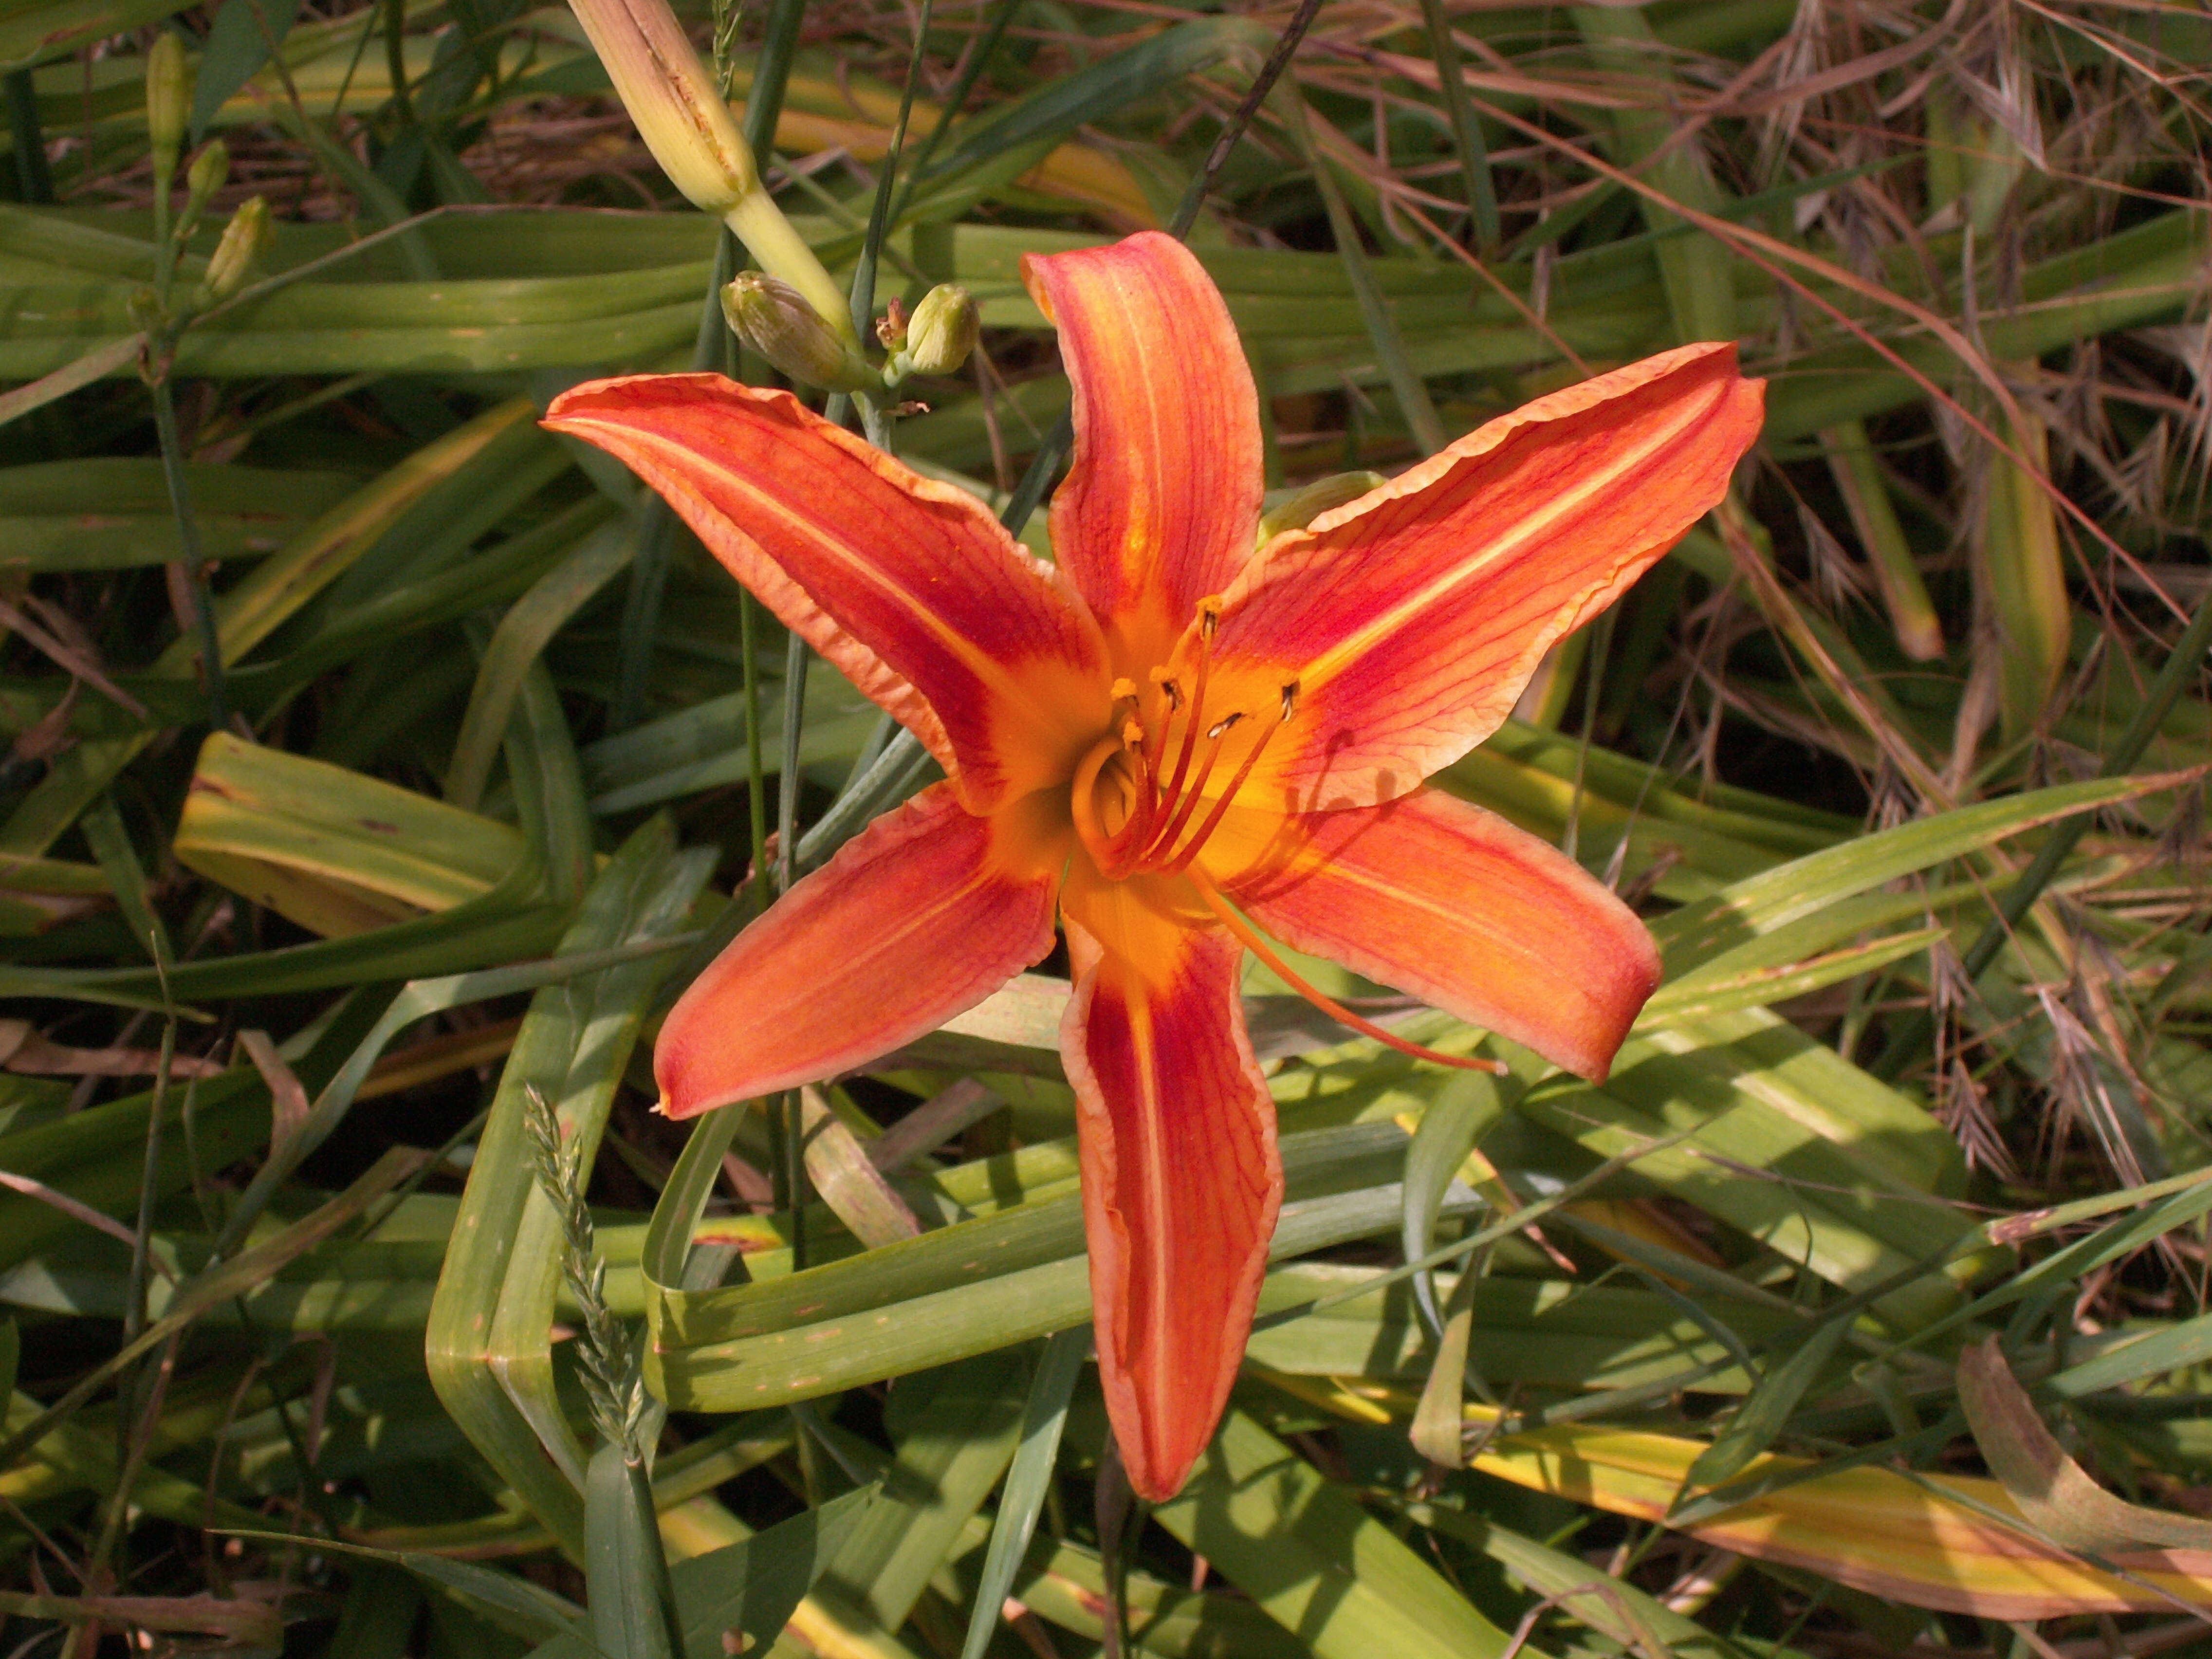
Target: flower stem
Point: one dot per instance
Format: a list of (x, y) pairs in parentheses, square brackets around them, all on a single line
[(188, 541)]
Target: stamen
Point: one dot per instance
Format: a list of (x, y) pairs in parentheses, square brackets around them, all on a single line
[(1256, 942), (1187, 800), (1181, 860), (1197, 709)]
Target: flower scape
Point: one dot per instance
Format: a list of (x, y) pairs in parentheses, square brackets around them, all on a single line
[(1175, 744)]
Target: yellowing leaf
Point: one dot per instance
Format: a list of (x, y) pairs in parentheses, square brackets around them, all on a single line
[(333, 850), (2053, 1491)]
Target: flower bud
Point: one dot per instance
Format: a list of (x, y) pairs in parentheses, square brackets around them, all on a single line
[(169, 102), (944, 329), (774, 318), (208, 171), (679, 111), (243, 239), (1301, 507)]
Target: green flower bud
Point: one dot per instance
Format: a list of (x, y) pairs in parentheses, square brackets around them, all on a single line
[(243, 239), (944, 329), (208, 171), (1302, 506), (774, 318), (168, 103)]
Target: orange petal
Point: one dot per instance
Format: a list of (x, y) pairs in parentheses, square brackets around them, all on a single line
[(1159, 507), (923, 915), (907, 585), (1457, 906), (1411, 619), (1180, 1180)]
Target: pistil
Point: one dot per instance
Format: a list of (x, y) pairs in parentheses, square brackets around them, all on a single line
[(1261, 946)]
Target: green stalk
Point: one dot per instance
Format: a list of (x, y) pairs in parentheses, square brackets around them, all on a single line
[(188, 541)]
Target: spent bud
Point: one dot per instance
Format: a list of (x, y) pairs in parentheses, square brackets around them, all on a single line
[(774, 319), (890, 327)]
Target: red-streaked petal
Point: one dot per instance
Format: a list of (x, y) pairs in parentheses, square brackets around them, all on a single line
[(1412, 618), (922, 915), (907, 585), (1180, 1180), (1455, 906), (1159, 507)]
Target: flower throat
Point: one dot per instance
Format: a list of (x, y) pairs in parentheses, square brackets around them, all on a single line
[(1133, 812)]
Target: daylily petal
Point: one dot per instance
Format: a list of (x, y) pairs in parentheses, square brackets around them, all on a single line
[(1180, 1179), (1158, 509), (1411, 619), (1454, 905), (921, 915), (913, 590)]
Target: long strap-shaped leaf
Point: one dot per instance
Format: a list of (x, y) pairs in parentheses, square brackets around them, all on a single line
[(489, 1342)]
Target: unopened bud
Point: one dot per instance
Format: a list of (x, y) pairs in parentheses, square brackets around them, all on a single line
[(1303, 507), (243, 239), (774, 318), (944, 328), (678, 111), (208, 171), (169, 102), (202, 179)]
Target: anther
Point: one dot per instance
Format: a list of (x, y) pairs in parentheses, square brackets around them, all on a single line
[(1289, 699), (1133, 734), (1123, 690), (1214, 732), (1209, 616), (1173, 691)]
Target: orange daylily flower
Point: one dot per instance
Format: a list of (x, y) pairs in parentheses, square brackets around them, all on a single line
[(1176, 746)]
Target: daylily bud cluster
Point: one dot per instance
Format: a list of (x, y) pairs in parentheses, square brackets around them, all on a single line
[(774, 318), (162, 310)]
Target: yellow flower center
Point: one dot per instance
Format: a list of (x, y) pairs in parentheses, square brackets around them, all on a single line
[(1137, 791)]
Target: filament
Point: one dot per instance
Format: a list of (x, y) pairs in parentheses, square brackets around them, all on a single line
[(1259, 945)]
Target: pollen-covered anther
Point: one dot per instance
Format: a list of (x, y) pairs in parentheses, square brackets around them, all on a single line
[(1124, 689)]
